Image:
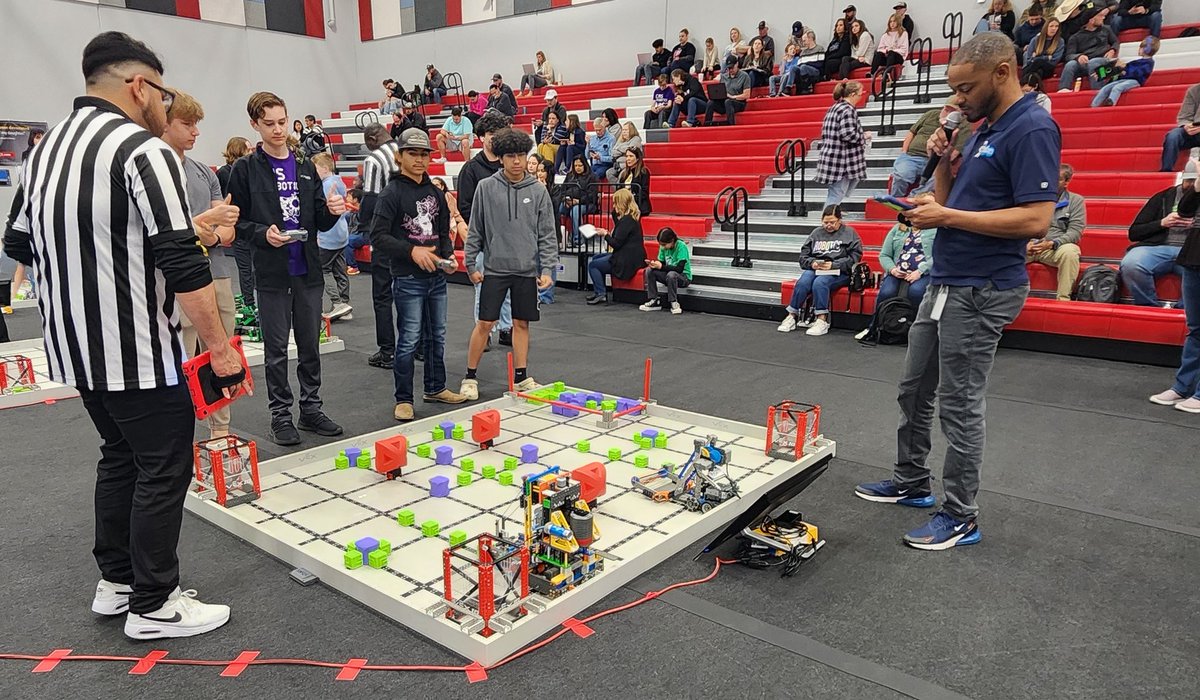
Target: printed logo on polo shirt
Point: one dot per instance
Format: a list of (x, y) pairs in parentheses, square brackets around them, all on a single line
[(985, 151)]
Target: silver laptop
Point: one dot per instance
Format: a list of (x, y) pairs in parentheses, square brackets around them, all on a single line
[(644, 58), (528, 68)]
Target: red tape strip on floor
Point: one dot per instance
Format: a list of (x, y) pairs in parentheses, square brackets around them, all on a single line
[(239, 664), (350, 671), (51, 660), (147, 662), (579, 628)]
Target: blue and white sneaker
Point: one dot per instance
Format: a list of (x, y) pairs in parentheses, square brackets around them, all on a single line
[(887, 491), (943, 531)]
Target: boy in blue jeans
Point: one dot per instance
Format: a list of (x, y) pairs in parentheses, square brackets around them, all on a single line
[(1128, 75)]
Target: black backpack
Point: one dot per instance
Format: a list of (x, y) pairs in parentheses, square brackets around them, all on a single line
[(861, 277), (1098, 283), (893, 317), (1190, 31)]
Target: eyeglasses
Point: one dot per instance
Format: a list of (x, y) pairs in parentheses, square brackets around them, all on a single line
[(168, 97)]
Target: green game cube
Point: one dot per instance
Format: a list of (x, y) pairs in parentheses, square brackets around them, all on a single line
[(457, 433), (406, 518), (591, 404), (608, 405), (439, 434), (506, 478), (467, 464), (353, 559), (385, 546), (510, 463), (364, 460), (644, 443), (560, 386), (614, 453), (489, 472), (377, 559), (457, 537), (341, 461), (430, 528), (464, 478), (660, 441), (423, 450), (583, 446), (641, 460)]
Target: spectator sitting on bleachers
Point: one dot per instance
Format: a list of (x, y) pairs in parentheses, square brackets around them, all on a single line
[(838, 49), (1158, 231), (794, 39), (434, 88), (312, 138), (849, 14), (659, 60), (1088, 49), (457, 134), (627, 246), (910, 164), (390, 102), (1029, 29), (1138, 14), (906, 258), (600, 145), (1128, 76), (862, 50), (636, 176), (476, 105), (689, 97), (827, 257), (660, 104), (412, 119), (579, 196), (532, 161), (627, 138), (808, 70), (1187, 134), (571, 146), (1046, 7), (542, 75), (552, 106), (549, 136), (768, 42), (757, 64), (782, 83), (737, 46), (458, 225), (1044, 53), (901, 8), (673, 268), (710, 63), (737, 91), (395, 128), (500, 101), (1075, 13), (683, 56), (1033, 84), (1060, 248), (893, 47), (498, 80), (358, 230), (999, 18), (843, 161), (1185, 393)]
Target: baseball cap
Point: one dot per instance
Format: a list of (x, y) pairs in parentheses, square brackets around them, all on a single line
[(731, 61), (414, 140), (762, 24), (850, 8), (551, 94), (900, 6), (797, 28), (497, 76)]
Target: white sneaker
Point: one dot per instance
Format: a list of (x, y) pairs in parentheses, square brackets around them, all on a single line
[(1167, 398), (1191, 405), (340, 310), (652, 305), (181, 616), (788, 325), (862, 334), (111, 598), (819, 327), (676, 308), (470, 389), (439, 160), (528, 385)]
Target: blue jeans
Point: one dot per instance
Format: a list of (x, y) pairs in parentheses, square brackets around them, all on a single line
[(889, 287), (600, 169), (505, 323), (649, 71), (1114, 90), (577, 213), (821, 287), (694, 104), (420, 302), (838, 191), (598, 267), (1150, 20), (437, 95), (1142, 265), (780, 83), (357, 240), (906, 172), (1187, 379), (1176, 140), (1073, 70), (806, 74)]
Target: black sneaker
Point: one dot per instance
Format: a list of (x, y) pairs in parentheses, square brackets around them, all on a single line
[(506, 338), (597, 299), (283, 433), (319, 423), (380, 360)]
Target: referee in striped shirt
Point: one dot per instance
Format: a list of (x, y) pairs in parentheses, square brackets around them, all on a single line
[(104, 223), (378, 169)]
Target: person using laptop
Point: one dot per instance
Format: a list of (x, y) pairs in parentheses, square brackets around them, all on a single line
[(730, 94), (537, 76), (650, 65)]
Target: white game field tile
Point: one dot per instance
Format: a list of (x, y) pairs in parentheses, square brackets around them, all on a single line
[(290, 497), (346, 480), (329, 516)]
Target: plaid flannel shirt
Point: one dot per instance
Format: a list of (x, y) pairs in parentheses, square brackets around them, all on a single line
[(843, 146)]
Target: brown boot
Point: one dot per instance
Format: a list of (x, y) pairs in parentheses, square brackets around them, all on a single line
[(444, 396), (404, 411)]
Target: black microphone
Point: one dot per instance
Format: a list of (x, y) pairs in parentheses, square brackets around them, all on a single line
[(952, 122)]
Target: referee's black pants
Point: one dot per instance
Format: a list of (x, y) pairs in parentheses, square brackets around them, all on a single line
[(381, 300), (142, 478), (297, 310)]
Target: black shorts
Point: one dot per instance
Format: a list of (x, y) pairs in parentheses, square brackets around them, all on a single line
[(522, 292)]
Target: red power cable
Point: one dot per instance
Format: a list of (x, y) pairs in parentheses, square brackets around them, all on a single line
[(168, 661)]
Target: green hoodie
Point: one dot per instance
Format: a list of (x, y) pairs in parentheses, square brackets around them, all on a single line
[(677, 259), (513, 224)]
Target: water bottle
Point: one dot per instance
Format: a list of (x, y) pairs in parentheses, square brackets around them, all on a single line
[(1078, 84)]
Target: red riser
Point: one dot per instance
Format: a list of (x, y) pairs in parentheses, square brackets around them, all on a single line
[(688, 204), (728, 149), (700, 184), (1166, 94), (738, 134), (1115, 116), (733, 166), (1145, 136), (1117, 184)]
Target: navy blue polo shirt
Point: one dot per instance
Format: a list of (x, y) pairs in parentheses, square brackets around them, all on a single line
[(1012, 162)]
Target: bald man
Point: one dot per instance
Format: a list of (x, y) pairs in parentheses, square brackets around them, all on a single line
[(1002, 196)]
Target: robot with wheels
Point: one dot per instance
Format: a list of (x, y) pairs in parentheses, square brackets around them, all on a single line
[(701, 483)]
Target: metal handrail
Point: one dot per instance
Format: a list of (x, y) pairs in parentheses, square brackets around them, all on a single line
[(732, 207), (362, 118), (788, 162), (453, 83), (921, 56), (885, 95), (952, 31)]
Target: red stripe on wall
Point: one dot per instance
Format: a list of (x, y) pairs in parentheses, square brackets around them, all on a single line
[(453, 13), (188, 8), (366, 23), (560, 3), (314, 18)]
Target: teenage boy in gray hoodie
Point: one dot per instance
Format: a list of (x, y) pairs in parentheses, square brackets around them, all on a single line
[(512, 222)]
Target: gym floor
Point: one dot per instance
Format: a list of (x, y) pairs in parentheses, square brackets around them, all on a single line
[(1084, 585)]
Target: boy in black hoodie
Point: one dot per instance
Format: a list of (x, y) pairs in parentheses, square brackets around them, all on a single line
[(412, 228)]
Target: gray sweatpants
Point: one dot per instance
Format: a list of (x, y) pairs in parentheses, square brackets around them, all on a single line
[(949, 360)]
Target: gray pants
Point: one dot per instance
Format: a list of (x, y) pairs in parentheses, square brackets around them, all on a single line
[(337, 282), (298, 310), (674, 281), (950, 360)]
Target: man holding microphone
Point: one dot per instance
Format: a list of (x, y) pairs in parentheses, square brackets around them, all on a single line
[(1002, 196)]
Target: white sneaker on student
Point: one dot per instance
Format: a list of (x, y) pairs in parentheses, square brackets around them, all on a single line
[(470, 389), (818, 327), (528, 385), (788, 325), (862, 334), (1191, 405), (676, 308), (652, 305), (111, 598), (181, 616), (1167, 398)]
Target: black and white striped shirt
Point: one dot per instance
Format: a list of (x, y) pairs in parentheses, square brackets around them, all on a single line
[(379, 167), (99, 194)]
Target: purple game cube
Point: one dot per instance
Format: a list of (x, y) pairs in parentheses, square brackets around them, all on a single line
[(595, 396), (366, 545), (445, 454), (529, 454), (352, 454), (447, 428), (650, 433), (439, 486), (626, 404)]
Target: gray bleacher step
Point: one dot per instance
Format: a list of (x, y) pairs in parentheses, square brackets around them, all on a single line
[(760, 297)]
